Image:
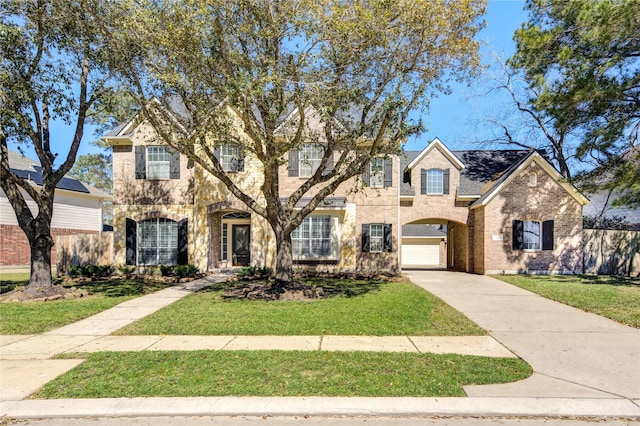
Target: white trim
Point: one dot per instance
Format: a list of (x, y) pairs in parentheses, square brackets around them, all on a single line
[(436, 143), (544, 164), (467, 197)]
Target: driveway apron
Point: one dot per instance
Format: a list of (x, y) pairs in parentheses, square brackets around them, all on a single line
[(573, 353)]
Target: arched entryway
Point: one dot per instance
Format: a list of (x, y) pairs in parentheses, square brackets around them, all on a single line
[(434, 243)]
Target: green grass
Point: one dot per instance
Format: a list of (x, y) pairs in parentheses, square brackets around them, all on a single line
[(357, 308), (38, 317), (279, 373), (617, 298)]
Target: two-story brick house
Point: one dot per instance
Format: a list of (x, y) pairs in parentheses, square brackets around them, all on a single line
[(497, 211)]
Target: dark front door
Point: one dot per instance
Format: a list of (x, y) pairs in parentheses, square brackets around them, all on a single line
[(240, 245)]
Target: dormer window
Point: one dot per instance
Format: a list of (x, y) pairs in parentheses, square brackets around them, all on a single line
[(434, 181)]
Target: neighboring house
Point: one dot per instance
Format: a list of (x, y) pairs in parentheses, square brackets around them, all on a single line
[(77, 209), (491, 211)]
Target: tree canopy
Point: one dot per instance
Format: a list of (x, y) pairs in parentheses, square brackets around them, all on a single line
[(583, 60), (364, 66), (52, 68)]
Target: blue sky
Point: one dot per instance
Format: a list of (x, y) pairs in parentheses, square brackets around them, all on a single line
[(453, 119)]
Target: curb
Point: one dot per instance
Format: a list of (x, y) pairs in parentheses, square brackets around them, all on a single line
[(321, 406)]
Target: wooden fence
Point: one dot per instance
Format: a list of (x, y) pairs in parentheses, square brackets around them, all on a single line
[(84, 249), (608, 252)]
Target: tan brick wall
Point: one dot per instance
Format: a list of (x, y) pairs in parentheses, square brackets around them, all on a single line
[(548, 200), (127, 190), (143, 212), (434, 206), (14, 245), (458, 238)]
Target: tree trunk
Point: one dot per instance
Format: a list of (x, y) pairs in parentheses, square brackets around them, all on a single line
[(284, 260), (41, 261)]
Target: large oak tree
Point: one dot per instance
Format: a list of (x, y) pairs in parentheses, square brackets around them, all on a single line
[(369, 68), (51, 69)]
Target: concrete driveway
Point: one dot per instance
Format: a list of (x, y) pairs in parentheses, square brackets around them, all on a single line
[(573, 353)]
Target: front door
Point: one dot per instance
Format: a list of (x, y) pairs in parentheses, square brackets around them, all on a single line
[(240, 238)]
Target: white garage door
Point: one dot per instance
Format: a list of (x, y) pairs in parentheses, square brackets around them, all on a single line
[(420, 251)]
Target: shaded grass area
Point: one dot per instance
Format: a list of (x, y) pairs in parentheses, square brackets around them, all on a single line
[(617, 298), (11, 280), (356, 308), (279, 373), (38, 317)]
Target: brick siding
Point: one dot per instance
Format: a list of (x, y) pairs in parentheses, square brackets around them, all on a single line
[(14, 246)]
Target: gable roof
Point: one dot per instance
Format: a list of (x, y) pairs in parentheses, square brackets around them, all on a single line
[(30, 169), (481, 167), (510, 174), (436, 144), (484, 166)]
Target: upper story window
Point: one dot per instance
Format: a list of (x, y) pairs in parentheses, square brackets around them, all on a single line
[(376, 172), (230, 158), (434, 181), (156, 162), (310, 158), (533, 179)]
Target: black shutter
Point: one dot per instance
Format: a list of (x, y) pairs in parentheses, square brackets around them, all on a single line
[(388, 173), (423, 181), (445, 181), (518, 234), (293, 162), (141, 162), (216, 153), (131, 240), (365, 238), (241, 163), (547, 235), (388, 238), (183, 242), (174, 165), (366, 175)]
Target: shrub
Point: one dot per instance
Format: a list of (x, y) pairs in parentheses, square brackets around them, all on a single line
[(91, 271), (126, 270), (180, 271), (166, 270)]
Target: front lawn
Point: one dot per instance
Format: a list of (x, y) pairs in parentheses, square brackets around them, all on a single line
[(39, 317), (360, 308), (617, 298), (279, 373)]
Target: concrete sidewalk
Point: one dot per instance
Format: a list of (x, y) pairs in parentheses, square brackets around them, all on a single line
[(573, 353), (525, 323)]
